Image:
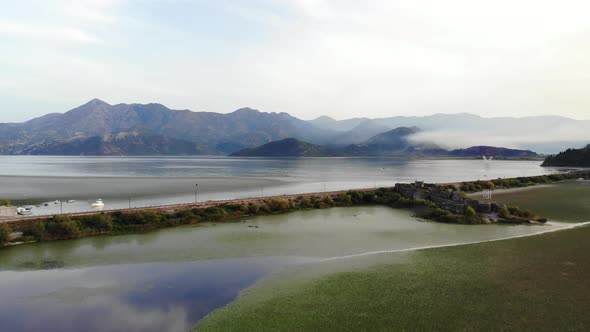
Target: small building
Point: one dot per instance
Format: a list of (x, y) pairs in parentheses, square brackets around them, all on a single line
[(7, 211)]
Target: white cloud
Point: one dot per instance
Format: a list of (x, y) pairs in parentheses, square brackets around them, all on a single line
[(46, 32), (542, 139), (96, 11), (342, 58)]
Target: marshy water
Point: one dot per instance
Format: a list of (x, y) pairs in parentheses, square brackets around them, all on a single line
[(167, 280), (146, 181)]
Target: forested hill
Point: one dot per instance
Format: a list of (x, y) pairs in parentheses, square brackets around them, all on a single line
[(570, 158)]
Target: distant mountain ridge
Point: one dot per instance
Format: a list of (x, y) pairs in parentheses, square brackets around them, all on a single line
[(121, 144), (515, 131), (213, 133), (391, 143), (102, 129)]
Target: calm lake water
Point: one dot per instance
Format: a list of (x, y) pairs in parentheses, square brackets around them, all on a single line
[(143, 181), (169, 279)]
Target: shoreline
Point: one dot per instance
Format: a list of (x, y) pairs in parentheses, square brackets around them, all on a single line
[(205, 204), (442, 203), (562, 227)]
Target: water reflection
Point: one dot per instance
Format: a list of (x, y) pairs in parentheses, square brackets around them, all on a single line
[(167, 280), (135, 297)]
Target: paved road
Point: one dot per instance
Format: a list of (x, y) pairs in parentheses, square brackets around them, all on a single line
[(174, 207)]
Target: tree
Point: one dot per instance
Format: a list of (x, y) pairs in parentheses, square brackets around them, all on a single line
[(5, 233)]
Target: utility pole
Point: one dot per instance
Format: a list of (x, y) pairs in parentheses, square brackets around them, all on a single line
[(196, 193), (130, 202), (61, 207)]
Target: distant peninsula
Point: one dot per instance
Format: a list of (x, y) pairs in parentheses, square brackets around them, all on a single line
[(570, 158), (387, 144), (288, 147)]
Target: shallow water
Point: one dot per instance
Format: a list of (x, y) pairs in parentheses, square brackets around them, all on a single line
[(167, 280), (145, 181)]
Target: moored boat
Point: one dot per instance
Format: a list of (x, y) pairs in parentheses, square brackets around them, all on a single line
[(24, 210), (97, 203)]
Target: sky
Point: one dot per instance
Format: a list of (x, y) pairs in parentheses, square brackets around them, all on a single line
[(341, 58)]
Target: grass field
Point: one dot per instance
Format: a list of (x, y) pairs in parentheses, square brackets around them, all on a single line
[(537, 283), (566, 201)]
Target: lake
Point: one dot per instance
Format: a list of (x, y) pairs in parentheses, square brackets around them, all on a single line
[(167, 280), (146, 181)]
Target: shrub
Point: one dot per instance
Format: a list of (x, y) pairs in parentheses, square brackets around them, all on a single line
[(504, 213), (305, 203), (5, 202), (138, 217), (213, 213), (470, 212), (279, 204), (236, 208), (343, 200), (63, 227), (253, 209), (37, 231), (5, 233), (369, 198), (101, 222), (264, 208), (355, 196), (328, 201)]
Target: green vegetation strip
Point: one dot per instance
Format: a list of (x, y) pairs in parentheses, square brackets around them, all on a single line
[(62, 227), (521, 182), (535, 283)]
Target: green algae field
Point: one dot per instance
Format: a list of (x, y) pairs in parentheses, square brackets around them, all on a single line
[(534, 283), (567, 201), (537, 283)]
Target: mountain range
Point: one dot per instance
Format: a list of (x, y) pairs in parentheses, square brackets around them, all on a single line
[(98, 128), (97, 122)]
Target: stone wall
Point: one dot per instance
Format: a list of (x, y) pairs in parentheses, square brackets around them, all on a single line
[(449, 200)]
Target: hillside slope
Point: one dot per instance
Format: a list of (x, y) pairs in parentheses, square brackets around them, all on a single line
[(289, 147), (570, 158)]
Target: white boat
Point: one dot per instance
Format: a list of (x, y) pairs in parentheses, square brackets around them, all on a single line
[(71, 201), (98, 203), (24, 210), (56, 202)]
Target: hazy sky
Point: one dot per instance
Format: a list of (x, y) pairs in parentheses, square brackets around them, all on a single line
[(340, 58)]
